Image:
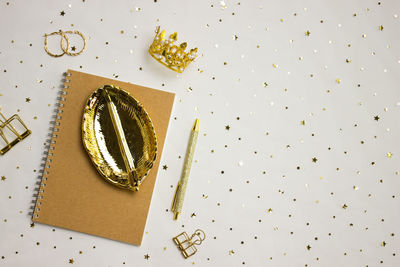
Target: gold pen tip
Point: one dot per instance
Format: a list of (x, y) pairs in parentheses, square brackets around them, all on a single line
[(196, 125), (176, 215)]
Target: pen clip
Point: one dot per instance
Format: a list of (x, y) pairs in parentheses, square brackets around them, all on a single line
[(173, 205)]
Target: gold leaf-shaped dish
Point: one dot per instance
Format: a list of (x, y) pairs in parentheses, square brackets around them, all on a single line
[(100, 138)]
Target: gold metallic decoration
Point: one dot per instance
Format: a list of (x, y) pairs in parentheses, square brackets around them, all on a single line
[(64, 47), (169, 54), (180, 191), (119, 137), (187, 244), (12, 131)]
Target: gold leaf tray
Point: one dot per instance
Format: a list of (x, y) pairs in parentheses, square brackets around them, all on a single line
[(100, 139)]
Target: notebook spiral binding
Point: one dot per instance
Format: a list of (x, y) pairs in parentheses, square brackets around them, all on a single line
[(40, 185)]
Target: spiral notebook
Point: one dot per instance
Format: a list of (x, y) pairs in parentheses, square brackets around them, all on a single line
[(72, 194)]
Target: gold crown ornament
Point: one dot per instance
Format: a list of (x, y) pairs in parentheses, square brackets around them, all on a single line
[(169, 54)]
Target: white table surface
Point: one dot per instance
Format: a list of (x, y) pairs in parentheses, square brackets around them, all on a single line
[(272, 205)]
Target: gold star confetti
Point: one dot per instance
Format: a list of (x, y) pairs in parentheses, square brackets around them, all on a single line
[(146, 256), (389, 154), (307, 33), (338, 80), (227, 127), (231, 252), (355, 187), (3, 178), (274, 65), (308, 247), (383, 244), (269, 210), (303, 122), (165, 167), (314, 159), (348, 60), (265, 84), (71, 261), (376, 118), (381, 28), (27, 100), (73, 48), (62, 13), (344, 206)]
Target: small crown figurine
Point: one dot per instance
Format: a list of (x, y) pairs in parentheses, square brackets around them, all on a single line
[(169, 54)]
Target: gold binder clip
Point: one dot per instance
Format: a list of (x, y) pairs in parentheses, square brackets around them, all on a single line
[(10, 129), (187, 244)]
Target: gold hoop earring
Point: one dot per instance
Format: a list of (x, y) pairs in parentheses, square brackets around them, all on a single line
[(63, 36), (66, 49)]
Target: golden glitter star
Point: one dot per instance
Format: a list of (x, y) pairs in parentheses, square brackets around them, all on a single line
[(193, 215), (303, 122), (32, 225), (348, 60), (27, 100), (231, 252), (147, 256), (338, 80), (314, 159), (344, 206), (227, 127), (376, 118), (381, 28), (308, 247), (3, 178), (73, 48), (165, 167), (71, 261), (265, 84), (269, 210), (62, 13), (383, 244), (307, 33), (389, 154)]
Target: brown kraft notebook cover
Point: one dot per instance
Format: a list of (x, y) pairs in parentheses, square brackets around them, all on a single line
[(75, 196)]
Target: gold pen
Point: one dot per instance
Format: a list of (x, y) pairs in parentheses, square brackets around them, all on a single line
[(177, 202), (122, 142)]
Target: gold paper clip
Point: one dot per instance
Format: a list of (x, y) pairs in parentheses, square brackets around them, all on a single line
[(8, 128), (187, 244)]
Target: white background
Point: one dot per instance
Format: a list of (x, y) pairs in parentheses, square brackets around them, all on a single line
[(266, 155)]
